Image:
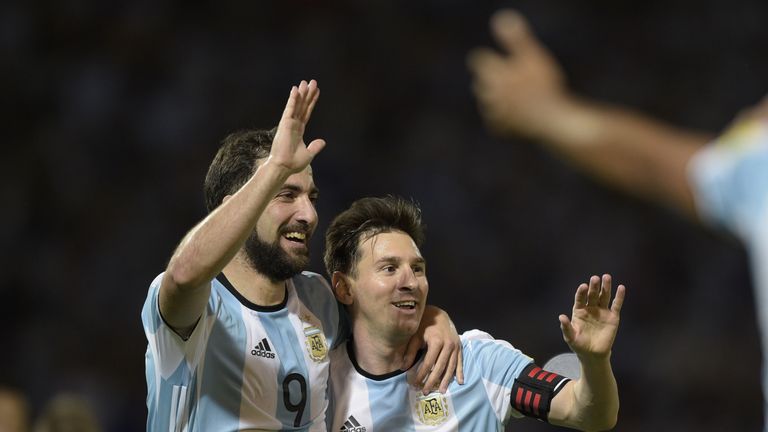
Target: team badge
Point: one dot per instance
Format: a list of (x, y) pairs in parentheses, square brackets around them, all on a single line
[(316, 345), (432, 409)]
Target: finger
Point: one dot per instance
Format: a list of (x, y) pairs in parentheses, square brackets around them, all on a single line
[(414, 345), (315, 147), (580, 300), (567, 329), (481, 59), (312, 96), (290, 106), (450, 372), (460, 366), (594, 291), (513, 34), (301, 104), (605, 292), (618, 301), (436, 375), (430, 358)]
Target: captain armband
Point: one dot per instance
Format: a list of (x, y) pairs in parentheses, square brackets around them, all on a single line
[(534, 390)]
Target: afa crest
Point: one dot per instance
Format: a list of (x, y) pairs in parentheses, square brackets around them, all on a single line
[(317, 347), (432, 409)]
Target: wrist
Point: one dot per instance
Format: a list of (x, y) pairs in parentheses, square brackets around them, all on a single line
[(571, 122), (593, 360), (270, 168)]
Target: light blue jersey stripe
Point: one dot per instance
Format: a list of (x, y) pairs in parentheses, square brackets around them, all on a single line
[(388, 411), (293, 374)]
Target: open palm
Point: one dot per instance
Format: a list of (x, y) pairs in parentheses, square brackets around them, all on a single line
[(592, 327), (288, 148)]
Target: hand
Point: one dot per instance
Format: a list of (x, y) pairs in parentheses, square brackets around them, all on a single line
[(593, 325), (521, 89), (288, 149), (443, 356)]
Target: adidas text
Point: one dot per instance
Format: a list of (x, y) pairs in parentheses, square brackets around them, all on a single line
[(263, 354)]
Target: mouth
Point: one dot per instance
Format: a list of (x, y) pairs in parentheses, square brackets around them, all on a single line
[(296, 237), (405, 305)]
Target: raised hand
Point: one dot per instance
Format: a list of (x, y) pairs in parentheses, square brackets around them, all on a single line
[(443, 359), (521, 89), (592, 328), (288, 148)]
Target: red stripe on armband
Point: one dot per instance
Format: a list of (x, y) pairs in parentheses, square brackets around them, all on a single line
[(534, 390)]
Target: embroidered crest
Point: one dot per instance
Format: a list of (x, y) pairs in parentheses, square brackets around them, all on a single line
[(432, 409), (316, 344)]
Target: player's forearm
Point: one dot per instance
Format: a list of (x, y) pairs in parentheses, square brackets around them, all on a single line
[(595, 396), (210, 245), (625, 149)]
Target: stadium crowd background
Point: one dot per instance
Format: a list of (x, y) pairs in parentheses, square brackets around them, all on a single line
[(113, 110)]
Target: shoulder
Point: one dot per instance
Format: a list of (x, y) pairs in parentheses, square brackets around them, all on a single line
[(473, 339), (309, 279), (312, 287), (482, 348), (729, 178)]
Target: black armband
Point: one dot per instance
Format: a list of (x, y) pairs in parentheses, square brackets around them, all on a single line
[(534, 390)]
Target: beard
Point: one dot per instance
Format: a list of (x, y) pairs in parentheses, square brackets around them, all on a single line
[(272, 261)]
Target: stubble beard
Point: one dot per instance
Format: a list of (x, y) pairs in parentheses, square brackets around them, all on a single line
[(272, 261)]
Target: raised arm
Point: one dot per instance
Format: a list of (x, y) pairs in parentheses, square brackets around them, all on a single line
[(210, 245), (590, 403), (522, 91)]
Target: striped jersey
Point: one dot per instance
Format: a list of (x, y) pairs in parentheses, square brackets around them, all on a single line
[(244, 367), (362, 402), (729, 179)]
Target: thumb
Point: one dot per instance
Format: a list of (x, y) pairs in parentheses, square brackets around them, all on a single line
[(566, 328), (315, 147), (512, 32)]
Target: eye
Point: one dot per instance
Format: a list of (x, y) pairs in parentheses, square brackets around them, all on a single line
[(287, 195), (389, 268), (419, 269), (313, 198)]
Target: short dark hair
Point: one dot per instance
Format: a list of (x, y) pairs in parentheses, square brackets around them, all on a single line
[(235, 163), (365, 218)]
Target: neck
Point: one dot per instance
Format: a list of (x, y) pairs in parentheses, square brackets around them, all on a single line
[(378, 354), (252, 285)]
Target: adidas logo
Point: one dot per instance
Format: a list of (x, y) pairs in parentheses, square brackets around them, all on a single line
[(351, 425), (263, 350)]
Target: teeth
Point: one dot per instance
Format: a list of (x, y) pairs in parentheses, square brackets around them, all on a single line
[(296, 236), (405, 304)]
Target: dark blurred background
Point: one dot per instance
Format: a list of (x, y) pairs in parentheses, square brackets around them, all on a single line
[(111, 112)]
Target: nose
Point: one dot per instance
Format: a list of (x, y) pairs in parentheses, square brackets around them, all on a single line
[(409, 281), (306, 212)]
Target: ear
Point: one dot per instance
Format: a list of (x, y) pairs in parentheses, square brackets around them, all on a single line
[(341, 287)]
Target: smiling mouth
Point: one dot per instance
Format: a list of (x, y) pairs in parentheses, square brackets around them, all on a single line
[(410, 305), (296, 237)]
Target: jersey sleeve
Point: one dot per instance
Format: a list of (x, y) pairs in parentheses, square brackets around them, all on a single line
[(166, 349), (498, 364), (729, 179)]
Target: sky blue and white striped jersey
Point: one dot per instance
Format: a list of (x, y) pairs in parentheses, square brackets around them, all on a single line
[(730, 184), (362, 402), (245, 366)]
